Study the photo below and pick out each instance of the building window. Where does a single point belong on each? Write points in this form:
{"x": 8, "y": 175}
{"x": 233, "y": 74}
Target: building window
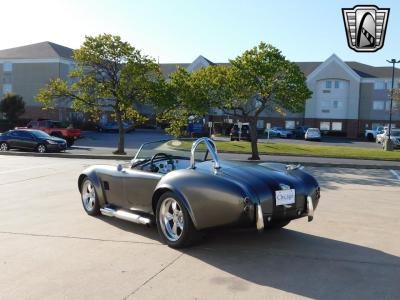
{"x": 325, "y": 104}
{"x": 379, "y": 85}
{"x": 324, "y": 126}
{"x": 337, "y": 104}
{"x": 337, "y": 126}
{"x": 260, "y": 123}
{"x": 7, "y": 88}
{"x": 7, "y": 67}
{"x": 328, "y": 84}
{"x": 289, "y": 124}
{"x": 337, "y": 84}
{"x": 378, "y": 105}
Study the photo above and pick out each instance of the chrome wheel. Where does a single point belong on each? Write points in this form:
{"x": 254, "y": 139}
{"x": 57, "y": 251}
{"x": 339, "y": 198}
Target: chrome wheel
{"x": 88, "y": 195}
{"x": 3, "y": 147}
{"x": 41, "y": 148}
{"x": 171, "y": 219}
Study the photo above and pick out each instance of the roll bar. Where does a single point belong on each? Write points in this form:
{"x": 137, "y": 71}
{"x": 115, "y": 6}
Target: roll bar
{"x": 212, "y": 148}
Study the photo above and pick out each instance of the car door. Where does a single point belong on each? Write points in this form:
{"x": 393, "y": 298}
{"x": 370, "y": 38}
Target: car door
{"x": 139, "y": 187}
{"x": 14, "y": 139}
{"x": 27, "y": 140}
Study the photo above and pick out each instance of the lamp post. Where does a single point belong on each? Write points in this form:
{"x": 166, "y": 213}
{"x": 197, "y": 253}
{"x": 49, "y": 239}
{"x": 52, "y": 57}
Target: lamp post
{"x": 388, "y": 145}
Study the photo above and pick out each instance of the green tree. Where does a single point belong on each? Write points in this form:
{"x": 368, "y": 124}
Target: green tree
{"x": 192, "y": 94}
{"x": 263, "y": 79}
{"x": 13, "y": 106}
{"x": 108, "y": 75}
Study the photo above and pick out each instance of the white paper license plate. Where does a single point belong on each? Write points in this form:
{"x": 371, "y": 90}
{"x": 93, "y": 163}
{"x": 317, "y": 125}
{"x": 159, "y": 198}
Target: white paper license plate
{"x": 284, "y": 197}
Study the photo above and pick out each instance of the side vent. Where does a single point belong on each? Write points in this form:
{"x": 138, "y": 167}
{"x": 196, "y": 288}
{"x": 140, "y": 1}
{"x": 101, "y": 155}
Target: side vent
{"x": 106, "y": 185}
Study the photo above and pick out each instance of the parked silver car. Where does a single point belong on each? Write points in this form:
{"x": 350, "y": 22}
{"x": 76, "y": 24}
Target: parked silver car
{"x": 313, "y": 134}
{"x": 279, "y": 132}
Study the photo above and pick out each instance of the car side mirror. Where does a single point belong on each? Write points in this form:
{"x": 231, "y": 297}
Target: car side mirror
{"x": 119, "y": 167}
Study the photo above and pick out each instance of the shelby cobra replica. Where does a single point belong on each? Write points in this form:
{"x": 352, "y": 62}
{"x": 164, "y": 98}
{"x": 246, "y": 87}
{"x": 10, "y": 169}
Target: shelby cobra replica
{"x": 185, "y": 191}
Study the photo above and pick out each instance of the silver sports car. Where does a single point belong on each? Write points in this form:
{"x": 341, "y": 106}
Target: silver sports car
{"x": 184, "y": 188}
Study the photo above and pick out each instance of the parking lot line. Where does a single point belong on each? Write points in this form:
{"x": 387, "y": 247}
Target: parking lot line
{"x": 395, "y": 174}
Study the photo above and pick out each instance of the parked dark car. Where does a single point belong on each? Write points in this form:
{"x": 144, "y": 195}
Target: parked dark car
{"x": 238, "y": 134}
{"x": 300, "y": 131}
{"x": 184, "y": 188}
{"x": 29, "y": 139}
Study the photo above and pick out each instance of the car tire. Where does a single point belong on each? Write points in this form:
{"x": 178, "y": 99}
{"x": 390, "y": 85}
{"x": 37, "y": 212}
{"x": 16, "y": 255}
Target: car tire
{"x": 232, "y": 139}
{"x": 90, "y": 200}
{"x": 4, "y": 147}
{"x": 370, "y": 137}
{"x": 41, "y": 148}
{"x": 278, "y": 224}
{"x": 174, "y": 223}
{"x": 70, "y": 141}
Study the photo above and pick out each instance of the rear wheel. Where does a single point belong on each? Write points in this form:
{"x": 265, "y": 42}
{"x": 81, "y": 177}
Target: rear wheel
{"x": 370, "y": 137}
{"x": 70, "y": 141}
{"x": 4, "y": 146}
{"x": 41, "y": 148}
{"x": 174, "y": 223}
{"x": 89, "y": 198}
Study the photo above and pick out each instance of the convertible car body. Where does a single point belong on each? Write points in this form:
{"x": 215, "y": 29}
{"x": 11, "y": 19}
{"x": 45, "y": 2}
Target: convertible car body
{"x": 183, "y": 187}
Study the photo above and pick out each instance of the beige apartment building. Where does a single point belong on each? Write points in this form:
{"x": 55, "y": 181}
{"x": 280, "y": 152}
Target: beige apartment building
{"x": 348, "y": 97}
{"x": 24, "y": 70}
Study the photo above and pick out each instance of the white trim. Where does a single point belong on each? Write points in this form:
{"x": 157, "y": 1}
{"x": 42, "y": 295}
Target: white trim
{"x": 36, "y": 60}
{"x": 333, "y": 58}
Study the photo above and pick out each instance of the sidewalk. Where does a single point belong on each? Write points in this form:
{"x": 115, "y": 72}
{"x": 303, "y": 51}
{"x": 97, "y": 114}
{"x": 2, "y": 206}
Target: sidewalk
{"x": 106, "y": 153}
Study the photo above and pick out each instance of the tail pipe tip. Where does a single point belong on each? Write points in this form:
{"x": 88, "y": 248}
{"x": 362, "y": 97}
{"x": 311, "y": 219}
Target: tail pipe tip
{"x": 259, "y": 218}
{"x": 310, "y": 209}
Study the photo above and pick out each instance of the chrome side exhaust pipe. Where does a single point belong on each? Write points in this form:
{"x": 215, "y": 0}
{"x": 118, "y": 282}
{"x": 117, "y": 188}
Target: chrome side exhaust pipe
{"x": 310, "y": 209}
{"x": 124, "y": 215}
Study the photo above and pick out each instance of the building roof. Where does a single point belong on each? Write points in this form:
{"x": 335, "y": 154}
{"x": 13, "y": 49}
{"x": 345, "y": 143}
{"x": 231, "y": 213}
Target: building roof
{"x": 363, "y": 70}
{"x": 43, "y": 50}
{"x": 46, "y": 50}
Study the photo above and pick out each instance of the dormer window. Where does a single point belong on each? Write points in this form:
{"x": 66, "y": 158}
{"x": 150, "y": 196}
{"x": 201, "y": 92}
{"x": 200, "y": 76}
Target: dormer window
{"x": 328, "y": 84}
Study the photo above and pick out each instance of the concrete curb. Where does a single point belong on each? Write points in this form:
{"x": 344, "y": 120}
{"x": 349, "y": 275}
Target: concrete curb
{"x": 378, "y": 164}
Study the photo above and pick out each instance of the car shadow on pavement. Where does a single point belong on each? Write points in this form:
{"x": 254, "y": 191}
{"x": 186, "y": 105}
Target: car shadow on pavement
{"x": 299, "y": 263}
{"x": 291, "y": 261}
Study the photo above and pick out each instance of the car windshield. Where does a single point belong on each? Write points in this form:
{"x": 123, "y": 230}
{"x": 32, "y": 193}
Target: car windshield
{"x": 316, "y": 130}
{"x": 40, "y": 134}
{"x": 175, "y": 148}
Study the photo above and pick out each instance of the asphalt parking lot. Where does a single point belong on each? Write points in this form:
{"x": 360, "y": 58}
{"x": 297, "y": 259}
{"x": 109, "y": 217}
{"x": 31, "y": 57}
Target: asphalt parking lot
{"x": 50, "y": 248}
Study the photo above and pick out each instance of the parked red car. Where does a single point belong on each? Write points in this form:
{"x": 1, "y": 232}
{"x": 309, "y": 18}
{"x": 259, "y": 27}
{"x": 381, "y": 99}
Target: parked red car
{"x": 55, "y": 128}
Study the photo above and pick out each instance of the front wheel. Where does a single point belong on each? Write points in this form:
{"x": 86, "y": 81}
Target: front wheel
{"x": 41, "y": 148}
{"x": 174, "y": 223}
{"x": 4, "y": 146}
{"x": 89, "y": 197}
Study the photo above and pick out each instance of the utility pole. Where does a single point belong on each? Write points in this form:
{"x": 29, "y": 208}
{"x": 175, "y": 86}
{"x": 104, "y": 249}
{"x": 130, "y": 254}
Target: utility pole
{"x": 388, "y": 145}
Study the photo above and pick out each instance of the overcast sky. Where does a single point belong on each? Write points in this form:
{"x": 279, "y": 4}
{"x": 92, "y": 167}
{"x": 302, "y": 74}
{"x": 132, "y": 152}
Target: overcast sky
{"x": 180, "y": 30}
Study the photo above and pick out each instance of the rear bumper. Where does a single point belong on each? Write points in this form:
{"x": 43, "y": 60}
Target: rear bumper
{"x": 288, "y": 212}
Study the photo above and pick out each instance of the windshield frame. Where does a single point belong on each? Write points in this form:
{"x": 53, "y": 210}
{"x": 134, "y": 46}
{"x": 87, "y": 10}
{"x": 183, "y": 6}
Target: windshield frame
{"x": 206, "y": 152}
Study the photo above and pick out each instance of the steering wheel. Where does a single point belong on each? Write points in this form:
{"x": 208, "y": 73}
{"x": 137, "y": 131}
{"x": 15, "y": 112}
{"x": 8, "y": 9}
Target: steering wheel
{"x": 154, "y": 168}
